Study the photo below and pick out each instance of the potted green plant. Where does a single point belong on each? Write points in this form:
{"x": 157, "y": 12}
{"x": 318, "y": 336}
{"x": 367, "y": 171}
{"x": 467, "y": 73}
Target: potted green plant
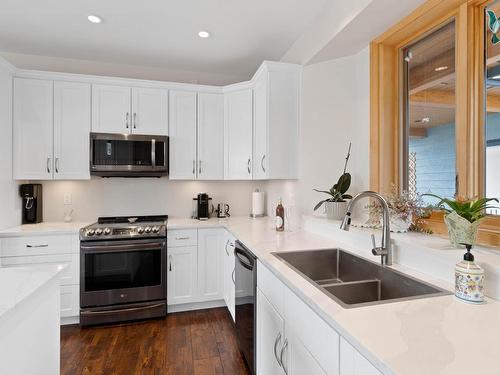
{"x": 336, "y": 204}
{"x": 463, "y": 217}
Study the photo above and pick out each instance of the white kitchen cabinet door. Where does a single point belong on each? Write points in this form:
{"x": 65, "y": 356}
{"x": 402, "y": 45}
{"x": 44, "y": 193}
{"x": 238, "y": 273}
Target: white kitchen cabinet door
{"x": 229, "y": 279}
{"x": 149, "y": 111}
{"x": 71, "y": 130}
{"x": 270, "y": 337}
{"x": 353, "y": 363}
{"x": 33, "y": 112}
{"x": 182, "y": 134}
{"x": 181, "y": 275}
{"x": 297, "y": 360}
{"x": 111, "y": 109}
{"x": 238, "y": 124}
{"x": 210, "y": 136}
{"x": 210, "y": 264}
{"x": 260, "y": 169}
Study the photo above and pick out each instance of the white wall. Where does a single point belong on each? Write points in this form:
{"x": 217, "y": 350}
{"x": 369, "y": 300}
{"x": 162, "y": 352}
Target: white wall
{"x": 334, "y": 112}
{"x": 140, "y": 196}
{"x": 10, "y": 203}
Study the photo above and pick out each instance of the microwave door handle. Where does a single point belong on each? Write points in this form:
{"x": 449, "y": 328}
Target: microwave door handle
{"x": 153, "y": 153}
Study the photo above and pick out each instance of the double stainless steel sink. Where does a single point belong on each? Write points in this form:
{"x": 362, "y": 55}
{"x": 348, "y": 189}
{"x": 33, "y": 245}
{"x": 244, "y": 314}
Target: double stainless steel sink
{"x": 353, "y": 281}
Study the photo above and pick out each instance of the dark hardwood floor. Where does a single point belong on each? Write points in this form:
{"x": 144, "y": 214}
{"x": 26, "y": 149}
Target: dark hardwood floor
{"x": 190, "y": 343}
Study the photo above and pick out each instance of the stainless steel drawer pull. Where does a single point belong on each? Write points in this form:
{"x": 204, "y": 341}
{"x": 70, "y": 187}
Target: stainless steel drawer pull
{"x": 135, "y": 116}
{"x": 232, "y": 277}
{"x": 276, "y": 341}
{"x": 57, "y": 165}
{"x": 170, "y": 263}
{"x": 126, "y": 120}
{"x": 48, "y": 165}
{"x": 199, "y": 166}
{"x": 262, "y": 163}
{"x": 182, "y": 238}
{"x": 283, "y": 349}
{"x": 43, "y": 245}
{"x": 225, "y": 247}
{"x": 194, "y": 166}
{"x": 248, "y": 165}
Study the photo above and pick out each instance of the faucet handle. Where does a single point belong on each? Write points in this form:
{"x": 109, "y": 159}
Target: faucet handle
{"x": 373, "y": 241}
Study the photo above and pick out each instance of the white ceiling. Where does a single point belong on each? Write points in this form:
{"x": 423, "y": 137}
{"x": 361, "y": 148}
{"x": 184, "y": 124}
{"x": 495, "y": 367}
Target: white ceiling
{"x": 158, "y": 33}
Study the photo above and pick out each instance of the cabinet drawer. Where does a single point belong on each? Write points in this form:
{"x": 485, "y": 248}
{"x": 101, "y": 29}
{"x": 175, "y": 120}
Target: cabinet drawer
{"x": 70, "y": 300}
{"x": 271, "y": 287}
{"x": 316, "y": 335}
{"x": 69, "y": 276}
{"x": 182, "y": 237}
{"x": 39, "y": 245}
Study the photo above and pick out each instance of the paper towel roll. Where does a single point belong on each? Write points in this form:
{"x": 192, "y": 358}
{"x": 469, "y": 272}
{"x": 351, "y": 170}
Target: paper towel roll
{"x": 258, "y": 203}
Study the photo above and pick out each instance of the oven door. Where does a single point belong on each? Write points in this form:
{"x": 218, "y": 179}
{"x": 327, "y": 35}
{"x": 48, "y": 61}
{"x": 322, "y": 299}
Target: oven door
{"x": 118, "y": 272}
{"x": 128, "y": 155}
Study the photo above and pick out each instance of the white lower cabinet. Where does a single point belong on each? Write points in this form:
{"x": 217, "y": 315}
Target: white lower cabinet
{"x": 270, "y": 336}
{"x": 229, "y": 279}
{"x": 353, "y": 363}
{"x": 195, "y": 265}
{"x": 210, "y": 264}
{"x": 297, "y": 360}
{"x": 182, "y": 274}
{"x": 52, "y": 249}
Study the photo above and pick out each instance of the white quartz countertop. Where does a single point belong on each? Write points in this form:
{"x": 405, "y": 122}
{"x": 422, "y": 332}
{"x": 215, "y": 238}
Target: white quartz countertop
{"x": 44, "y": 228}
{"x": 18, "y": 283}
{"x": 438, "y": 335}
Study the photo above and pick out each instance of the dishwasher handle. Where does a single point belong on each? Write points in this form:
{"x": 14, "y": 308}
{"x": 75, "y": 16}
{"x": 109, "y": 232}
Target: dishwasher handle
{"x": 245, "y": 258}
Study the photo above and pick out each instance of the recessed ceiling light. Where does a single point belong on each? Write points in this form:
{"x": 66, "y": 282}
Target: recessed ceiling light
{"x": 441, "y": 68}
{"x": 204, "y": 34}
{"x": 94, "y": 19}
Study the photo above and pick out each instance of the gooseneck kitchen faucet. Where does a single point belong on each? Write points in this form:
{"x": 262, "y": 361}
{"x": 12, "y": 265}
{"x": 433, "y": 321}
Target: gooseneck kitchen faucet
{"x": 385, "y": 250}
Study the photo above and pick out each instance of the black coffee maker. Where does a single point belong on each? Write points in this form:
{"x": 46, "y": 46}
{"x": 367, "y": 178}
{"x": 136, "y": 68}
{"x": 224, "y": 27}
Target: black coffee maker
{"x": 31, "y": 195}
{"x": 203, "y": 207}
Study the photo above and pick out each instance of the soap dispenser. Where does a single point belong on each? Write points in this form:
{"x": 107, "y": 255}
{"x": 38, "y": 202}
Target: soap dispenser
{"x": 469, "y": 278}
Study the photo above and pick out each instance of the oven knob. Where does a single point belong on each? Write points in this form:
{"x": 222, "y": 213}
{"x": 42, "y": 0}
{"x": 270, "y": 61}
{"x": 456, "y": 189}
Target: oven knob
{"x": 140, "y": 230}
{"x": 107, "y": 231}
{"x": 90, "y": 232}
{"x": 156, "y": 229}
{"x": 98, "y": 231}
{"x": 147, "y": 229}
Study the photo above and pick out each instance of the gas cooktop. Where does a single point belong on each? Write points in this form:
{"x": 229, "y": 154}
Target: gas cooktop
{"x": 125, "y": 227}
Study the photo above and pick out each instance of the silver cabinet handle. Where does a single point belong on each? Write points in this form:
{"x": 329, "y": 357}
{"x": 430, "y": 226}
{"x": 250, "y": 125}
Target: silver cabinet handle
{"x": 43, "y": 245}
{"x": 194, "y": 166}
{"x": 126, "y": 120}
{"x": 248, "y": 165}
{"x": 48, "y": 165}
{"x": 276, "y": 341}
{"x": 170, "y": 263}
{"x": 57, "y": 165}
{"x": 225, "y": 247}
{"x": 135, "y": 115}
{"x": 233, "y": 277}
{"x": 199, "y": 166}
{"x": 283, "y": 349}
{"x": 262, "y": 163}
{"x": 182, "y": 238}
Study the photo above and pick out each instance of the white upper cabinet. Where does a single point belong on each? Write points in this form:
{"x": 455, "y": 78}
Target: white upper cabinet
{"x": 51, "y": 130}
{"x": 238, "y": 119}
{"x": 149, "y": 111}
{"x": 33, "y": 126}
{"x": 122, "y": 109}
{"x": 111, "y": 109}
{"x": 276, "y": 121}
{"x": 210, "y": 136}
{"x": 71, "y": 130}
{"x": 182, "y": 130}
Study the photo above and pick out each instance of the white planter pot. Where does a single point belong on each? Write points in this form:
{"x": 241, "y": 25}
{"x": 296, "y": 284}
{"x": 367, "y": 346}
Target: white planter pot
{"x": 335, "y": 210}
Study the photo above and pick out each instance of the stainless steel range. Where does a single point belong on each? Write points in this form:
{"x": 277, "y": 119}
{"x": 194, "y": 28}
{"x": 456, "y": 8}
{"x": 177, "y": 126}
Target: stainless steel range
{"x": 123, "y": 269}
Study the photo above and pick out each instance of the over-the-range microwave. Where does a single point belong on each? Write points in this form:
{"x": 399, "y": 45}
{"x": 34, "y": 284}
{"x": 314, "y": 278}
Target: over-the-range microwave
{"x": 128, "y": 155}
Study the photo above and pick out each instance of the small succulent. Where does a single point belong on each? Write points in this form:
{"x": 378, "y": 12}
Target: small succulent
{"x": 470, "y": 209}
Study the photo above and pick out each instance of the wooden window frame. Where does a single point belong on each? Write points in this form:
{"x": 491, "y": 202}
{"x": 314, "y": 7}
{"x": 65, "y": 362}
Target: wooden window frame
{"x": 386, "y": 110}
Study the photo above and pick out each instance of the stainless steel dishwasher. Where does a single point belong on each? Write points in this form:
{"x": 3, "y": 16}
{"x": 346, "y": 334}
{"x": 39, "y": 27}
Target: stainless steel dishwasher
{"x": 245, "y": 301}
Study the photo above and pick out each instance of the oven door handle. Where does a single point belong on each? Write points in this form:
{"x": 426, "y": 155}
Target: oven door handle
{"x": 107, "y": 248}
{"x": 103, "y": 312}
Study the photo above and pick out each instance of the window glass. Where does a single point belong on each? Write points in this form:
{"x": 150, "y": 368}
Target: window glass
{"x": 429, "y": 115}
